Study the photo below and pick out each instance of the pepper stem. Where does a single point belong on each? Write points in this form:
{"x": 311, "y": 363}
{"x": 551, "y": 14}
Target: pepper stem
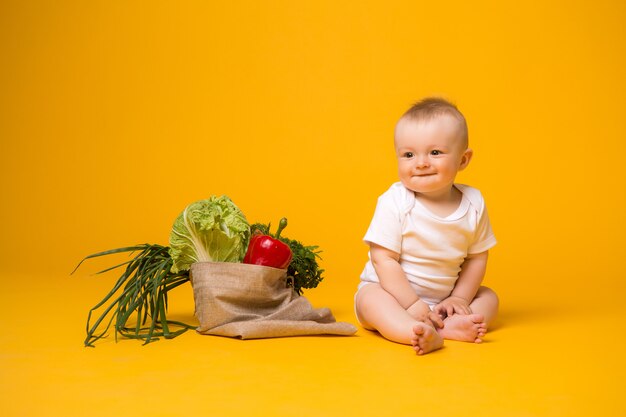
{"x": 281, "y": 225}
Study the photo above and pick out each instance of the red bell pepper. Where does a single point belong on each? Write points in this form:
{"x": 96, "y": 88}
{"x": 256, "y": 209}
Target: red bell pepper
{"x": 269, "y": 251}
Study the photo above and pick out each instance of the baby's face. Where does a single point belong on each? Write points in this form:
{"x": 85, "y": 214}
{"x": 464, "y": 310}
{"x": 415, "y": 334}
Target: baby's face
{"x": 430, "y": 153}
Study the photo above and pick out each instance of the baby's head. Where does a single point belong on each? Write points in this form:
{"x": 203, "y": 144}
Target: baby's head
{"x": 433, "y": 108}
{"x": 431, "y": 144}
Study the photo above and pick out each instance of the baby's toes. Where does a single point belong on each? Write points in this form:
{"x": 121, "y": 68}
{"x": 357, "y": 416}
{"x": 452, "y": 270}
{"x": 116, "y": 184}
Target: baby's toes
{"x": 477, "y": 318}
{"x": 418, "y": 349}
{"x": 418, "y": 330}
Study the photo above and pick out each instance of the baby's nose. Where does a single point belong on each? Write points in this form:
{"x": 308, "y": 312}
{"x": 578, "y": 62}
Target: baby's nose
{"x": 421, "y": 162}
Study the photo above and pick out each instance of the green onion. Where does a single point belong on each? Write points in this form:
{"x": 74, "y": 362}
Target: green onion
{"x": 139, "y": 295}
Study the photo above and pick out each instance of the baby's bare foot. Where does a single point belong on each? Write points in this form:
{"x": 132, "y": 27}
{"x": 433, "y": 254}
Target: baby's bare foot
{"x": 426, "y": 339}
{"x": 464, "y": 327}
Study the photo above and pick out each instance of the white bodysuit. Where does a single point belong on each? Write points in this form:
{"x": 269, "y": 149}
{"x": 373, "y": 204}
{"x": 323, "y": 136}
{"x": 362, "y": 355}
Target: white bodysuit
{"x": 431, "y": 248}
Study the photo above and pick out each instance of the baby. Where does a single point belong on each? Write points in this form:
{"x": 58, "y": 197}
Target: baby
{"x": 429, "y": 239}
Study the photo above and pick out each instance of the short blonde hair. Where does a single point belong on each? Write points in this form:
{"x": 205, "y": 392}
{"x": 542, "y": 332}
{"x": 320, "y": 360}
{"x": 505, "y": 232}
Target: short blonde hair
{"x": 432, "y": 107}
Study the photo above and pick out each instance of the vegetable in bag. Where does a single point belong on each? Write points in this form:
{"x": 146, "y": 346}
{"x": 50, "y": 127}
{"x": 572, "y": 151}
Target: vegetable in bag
{"x": 269, "y": 250}
{"x": 213, "y": 230}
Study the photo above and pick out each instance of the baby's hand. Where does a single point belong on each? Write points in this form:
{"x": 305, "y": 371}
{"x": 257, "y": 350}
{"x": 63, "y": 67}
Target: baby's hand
{"x": 420, "y": 311}
{"x": 452, "y": 305}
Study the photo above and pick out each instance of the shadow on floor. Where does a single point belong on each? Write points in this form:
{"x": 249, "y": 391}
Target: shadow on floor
{"x": 515, "y": 314}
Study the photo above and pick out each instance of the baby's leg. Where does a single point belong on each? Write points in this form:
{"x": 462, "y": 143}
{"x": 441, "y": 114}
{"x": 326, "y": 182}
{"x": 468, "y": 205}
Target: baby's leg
{"x": 379, "y": 310}
{"x": 472, "y": 327}
{"x": 486, "y": 303}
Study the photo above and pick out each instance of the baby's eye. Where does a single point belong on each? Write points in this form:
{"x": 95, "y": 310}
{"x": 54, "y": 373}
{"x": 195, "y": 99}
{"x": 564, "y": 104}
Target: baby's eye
{"x": 435, "y": 152}
{"x": 408, "y": 155}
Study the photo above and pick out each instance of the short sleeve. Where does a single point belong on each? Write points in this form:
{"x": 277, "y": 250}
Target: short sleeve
{"x": 385, "y": 228}
{"x": 484, "y": 238}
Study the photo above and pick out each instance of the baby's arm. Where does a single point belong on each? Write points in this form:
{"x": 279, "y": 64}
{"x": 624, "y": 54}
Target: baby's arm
{"x": 394, "y": 281}
{"x": 466, "y": 287}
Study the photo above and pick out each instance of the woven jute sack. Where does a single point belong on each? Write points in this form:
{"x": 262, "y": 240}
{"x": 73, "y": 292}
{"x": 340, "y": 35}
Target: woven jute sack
{"x": 253, "y": 301}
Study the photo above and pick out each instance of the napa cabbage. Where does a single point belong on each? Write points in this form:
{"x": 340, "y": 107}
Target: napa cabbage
{"x": 213, "y": 230}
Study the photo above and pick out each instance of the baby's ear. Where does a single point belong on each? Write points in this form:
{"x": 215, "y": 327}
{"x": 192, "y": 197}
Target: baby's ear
{"x": 466, "y": 158}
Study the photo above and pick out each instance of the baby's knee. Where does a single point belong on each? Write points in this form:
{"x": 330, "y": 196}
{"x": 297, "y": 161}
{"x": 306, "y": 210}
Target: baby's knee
{"x": 366, "y": 302}
{"x": 366, "y": 296}
{"x": 487, "y": 292}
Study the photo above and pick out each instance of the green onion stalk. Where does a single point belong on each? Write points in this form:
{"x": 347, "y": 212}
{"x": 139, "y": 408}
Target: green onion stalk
{"x": 137, "y": 304}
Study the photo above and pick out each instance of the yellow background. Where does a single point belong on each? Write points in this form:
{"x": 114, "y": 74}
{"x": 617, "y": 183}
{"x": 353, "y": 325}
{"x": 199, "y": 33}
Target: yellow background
{"x": 115, "y": 115}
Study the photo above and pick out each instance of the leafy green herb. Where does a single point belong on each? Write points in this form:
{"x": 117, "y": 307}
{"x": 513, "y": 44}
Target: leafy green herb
{"x": 139, "y": 297}
{"x": 303, "y": 271}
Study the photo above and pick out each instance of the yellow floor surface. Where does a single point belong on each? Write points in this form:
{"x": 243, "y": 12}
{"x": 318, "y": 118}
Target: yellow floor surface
{"x": 536, "y": 361}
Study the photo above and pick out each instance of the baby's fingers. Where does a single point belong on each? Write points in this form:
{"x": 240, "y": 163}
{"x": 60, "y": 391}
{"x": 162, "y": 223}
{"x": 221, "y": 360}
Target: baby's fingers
{"x": 436, "y": 320}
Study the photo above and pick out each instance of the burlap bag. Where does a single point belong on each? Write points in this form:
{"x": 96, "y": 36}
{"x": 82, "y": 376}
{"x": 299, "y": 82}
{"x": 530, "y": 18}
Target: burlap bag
{"x": 253, "y": 301}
